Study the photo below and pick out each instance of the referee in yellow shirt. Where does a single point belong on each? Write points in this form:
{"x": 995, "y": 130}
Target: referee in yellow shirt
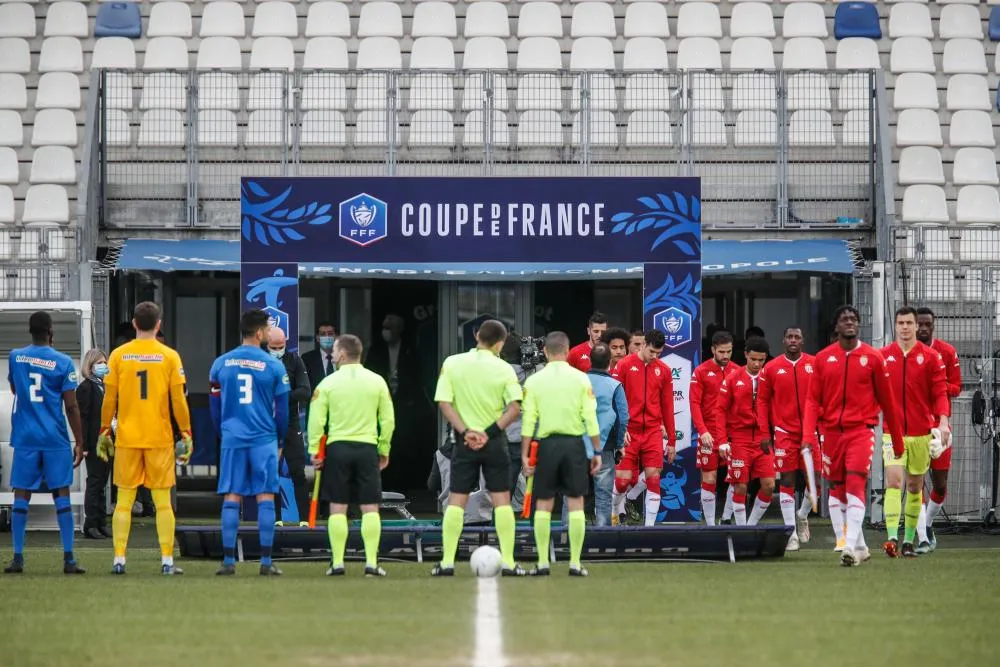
{"x": 559, "y": 408}
{"x": 479, "y": 395}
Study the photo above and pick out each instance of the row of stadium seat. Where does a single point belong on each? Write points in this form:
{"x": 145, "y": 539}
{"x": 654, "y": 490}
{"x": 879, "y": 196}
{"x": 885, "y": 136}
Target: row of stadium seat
{"x": 33, "y": 241}
{"x": 42, "y": 204}
{"x": 49, "y": 164}
{"x": 924, "y": 165}
{"x": 928, "y": 203}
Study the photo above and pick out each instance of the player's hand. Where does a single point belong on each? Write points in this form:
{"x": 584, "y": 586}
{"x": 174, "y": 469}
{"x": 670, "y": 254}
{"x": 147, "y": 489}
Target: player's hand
{"x": 383, "y": 462}
{"x": 706, "y": 439}
{"x": 595, "y": 464}
{"x": 944, "y": 427}
{"x": 766, "y": 444}
{"x": 105, "y": 446}
{"x": 526, "y": 467}
{"x": 475, "y": 440}
{"x": 628, "y": 438}
{"x": 78, "y": 455}
{"x": 619, "y": 455}
{"x": 671, "y": 454}
{"x": 317, "y": 462}
{"x": 184, "y": 448}
{"x": 898, "y": 447}
{"x": 725, "y": 450}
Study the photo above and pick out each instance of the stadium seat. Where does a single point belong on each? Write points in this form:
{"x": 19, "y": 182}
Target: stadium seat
{"x": 960, "y": 21}
{"x": 975, "y": 166}
{"x": 166, "y": 53}
{"x": 804, "y": 19}
{"x": 9, "y": 168}
{"x": 380, "y": 19}
{"x": 593, "y": 19}
{"x": 432, "y": 128}
{"x": 699, "y": 19}
{"x": 379, "y": 53}
{"x": 698, "y": 53}
{"x": 46, "y": 203}
{"x": 217, "y": 127}
{"x": 218, "y": 53}
{"x": 326, "y": 53}
{"x": 592, "y": 53}
{"x": 486, "y": 19}
{"x": 810, "y": 128}
{"x": 485, "y": 53}
{"x": 978, "y": 204}
{"x": 475, "y": 126}
{"x": 920, "y": 164}
{"x": 754, "y": 91}
{"x": 645, "y": 19}
{"x": 217, "y": 90}
{"x": 751, "y": 19}
{"x": 601, "y": 130}
{"x": 756, "y": 128}
{"x": 54, "y": 127}
{"x": 971, "y": 128}
{"x": 42, "y": 240}
{"x": 432, "y": 53}
{"x": 17, "y": 19}
{"x": 703, "y": 128}
{"x": 910, "y": 19}
{"x": 272, "y": 53}
{"x": 371, "y": 130}
{"x": 539, "y": 127}
{"x": 118, "y": 19}
{"x": 11, "y": 129}
{"x": 163, "y": 127}
{"x": 964, "y": 56}
{"x": 323, "y": 128}
{"x": 434, "y": 19}
{"x": 647, "y": 127}
{"x": 855, "y": 92}
{"x": 15, "y": 56}
{"x": 59, "y": 90}
{"x": 856, "y": 128}
{"x": 371, "y": 91}
{"x": 169, "y": 19}
{"x": 918, "y": 127}
{"x": 223, "y": 19}
{"x": 267, "y": 91}
{"x": 924, "y": 203}
{"x": 117, "y": 131}
{"x": 647, "y": 92}
{"x": 601, "y": 88}
{"x": 117, "y": 90}
{"x": 856, "y": 19}
{"x": 13, "y": 92}
{"x": 539, "y": 19}
{"x": 268, "y": 127}
{"x": 968, "y": 91}
{"x": 324, "y": 90}
{"x": 911, "y": 54}
{"x": 53, "y": 164}
{"x": 994, "y": 29}
{"x": 857, "y": 53}
{"x": 113, "y": 53}
{"x": 808, "y": 91}
{"x": 539, "y": 91}
{"x": 6, "y": 204}
{"x": 432, "y": 92}
{"x": 705, "y": 92}
{"x": 752, "y": 53}
{"x": 61, "y": 54}
{"x": 804, "y": 53}
{"x": 328, "y": 19}
{"x": 275, "y": 19}
{"x": 67, "y": 19}
{"x": 474, "y": 95}
{"x": 645, "y": 53}
{"x": 535, "y": 53}
{"x": 917, "y": 90}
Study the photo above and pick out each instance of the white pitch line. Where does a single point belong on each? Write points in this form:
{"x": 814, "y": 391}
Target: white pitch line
{"x": 489, "y": 641}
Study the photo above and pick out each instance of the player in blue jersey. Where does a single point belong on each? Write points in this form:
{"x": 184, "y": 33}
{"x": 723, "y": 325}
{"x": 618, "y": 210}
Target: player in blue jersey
{"x": 249, "y": 408}
{"x": 43, "y": 381}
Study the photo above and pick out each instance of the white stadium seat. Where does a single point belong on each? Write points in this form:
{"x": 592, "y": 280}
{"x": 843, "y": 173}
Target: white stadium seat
{"x": 538, "y": 91}
{"x": 918, "y": 127}
{"x": 166, "y": 53}
{"x": 645, "y": 53}
{"x": 272, "y": 53}
{"x": 11, "y": 129}
{"x": 857, "y": 53}
{"x": 323, "y": 128}
{"x": 434, "y": 19}
{"x": 978, "y": 204}
{"x": 971, "y": 128}
{"x": 804, "y": 53}
{"x": 268, "y": 127}
{"x": 169, "y": 19}
{"x": 6, "y": 204}
{"x": 804, "y": 19}
{"x": 756, "y": 127}
{"x": 46, "y": 203}
{"x": 960, "y": 21}
{"x": 217, "y": 127}
{"x": 9, "y": 168}
{"x": 13, "y": 92}
{"x": 600, "y": 131}
{"x": 42, "y": 240}
{"x": 15, "y": 56}
{"x": 699, "y": 53}
{"x": 647, "y": 127}
{"x": 432, "y": 91}
{"x": 646, "y": 19}
{"x": 432, "y": 53}
{"x": 752, "y": 53}
{"x": 487, "y": 19}
{"x": 371, "y": 130}
{"x": 371, "y": 92}
{"x": 699, "y": 19}
{"x": 856, "y": 128}
{"x": 61, "y": 54}
{"x": 602, "y": 92}
{"x": 963, "y": 56}
{"x": 808, "y": 91}
{"x": 912, "y": 54}
{"x": 275, "y": 19}
{"x": 924, "y": 203}
{"x": 703, "y": 128}
{"x": 117, "y": 130}
{"x": 539, "y": 53}
{"x": 67, "y": 19}
{"x": 540, "y": 128}
{"x": 223, "y": 19}
{"x": 379, "y": 53}
{"x": 17, "y": 19}
{"x": 592, "y": 53}
{"x": 647, "y": 92}
{"x": 706, "y": 92}
{"x": 810, "y": 128}
{"x": 968, "y": 91}
{"x": 975, "y": 166}
{"x": 854, "y": 92}
{"x": 53, "y": 164}
{"x": 754, "y": 91}
{"x": 915, "y": 91}
{"x": 54, "y": 127}
{"x": 113, "y": 53}
{"x": 218, "y": 53}
{"x": 325, "y": 53}
{"x": 324, "y": 90}
{"x": 539, "y": 19}
{"x": 380, "y": 19}
{"x": 217, "y": 90}
{"x": 751, "y": 19}
{"x": 432, "y": 128}
{"x": 60, "y": 90}
{"x": 593, "y": 19}
{"x": 920, "y": 164}
{"x": 328, "y": 19}
{"x": 162, "y": 127}
{"x": 910, "y": 19}
{"x": 485, "y": 53}
{"x": 266, "y": 91}
{"x": 475, "y": 127}
{"x": 474, "y": 95}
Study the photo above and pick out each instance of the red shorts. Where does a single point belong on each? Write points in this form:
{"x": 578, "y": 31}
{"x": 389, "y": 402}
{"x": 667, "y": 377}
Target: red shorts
{"x": 708, "y": 456}
{"x": 788, "y": 454}
{"x": 644, "y": 450}
{"x": 749, "y": 462}
{"x": 847, "y": 451}
{"x": 943, "y": 462}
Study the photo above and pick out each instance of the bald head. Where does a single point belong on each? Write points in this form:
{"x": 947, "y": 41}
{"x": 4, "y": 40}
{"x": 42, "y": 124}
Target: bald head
{"x": 275, "y": 338}
{"x": 556, "y": 346}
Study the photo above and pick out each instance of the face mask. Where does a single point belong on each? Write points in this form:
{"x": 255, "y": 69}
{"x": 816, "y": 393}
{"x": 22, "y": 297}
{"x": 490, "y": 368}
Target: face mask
{"x": 277, "y": 354}
{"x": 326, "y": 342}
{"x": 100, "y": 370}
{"x": 386, "y": 335}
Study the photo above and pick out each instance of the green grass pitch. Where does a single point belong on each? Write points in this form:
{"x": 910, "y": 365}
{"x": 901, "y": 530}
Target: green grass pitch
{"x": 804, "y": 609}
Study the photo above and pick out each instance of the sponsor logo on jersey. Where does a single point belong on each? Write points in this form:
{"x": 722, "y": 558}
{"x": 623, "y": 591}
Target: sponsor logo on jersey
{"x": 831, "y": 359}
{"x": 249, "y": 364}
{"x": 145, "y": 358}
{"x": 782, "y": 371}
{"x": 47, "y": 364}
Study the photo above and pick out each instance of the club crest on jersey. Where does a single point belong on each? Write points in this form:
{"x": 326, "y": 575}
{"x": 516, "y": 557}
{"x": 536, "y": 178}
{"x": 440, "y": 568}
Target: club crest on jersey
{"x": 809, "y": 368}
{"x": 656, "y": 371}
{"x": 863, "y": 361}
{"x": 920, "y": 359}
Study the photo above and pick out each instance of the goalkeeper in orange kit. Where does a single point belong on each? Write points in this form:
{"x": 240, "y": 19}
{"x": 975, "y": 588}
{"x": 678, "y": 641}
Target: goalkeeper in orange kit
{"x": 145, "y": 380}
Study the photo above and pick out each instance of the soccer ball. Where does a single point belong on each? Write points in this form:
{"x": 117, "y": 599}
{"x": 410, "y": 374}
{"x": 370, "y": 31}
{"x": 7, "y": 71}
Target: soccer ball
{"x": 485, "y": 562}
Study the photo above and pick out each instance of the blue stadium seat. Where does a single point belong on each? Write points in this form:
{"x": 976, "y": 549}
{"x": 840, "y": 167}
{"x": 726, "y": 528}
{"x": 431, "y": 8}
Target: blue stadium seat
{"x": 856, "y": 19}
{"x": 998, "y": 99}
{"x": 995, "y": 24}
{"x": 118, "y": 19}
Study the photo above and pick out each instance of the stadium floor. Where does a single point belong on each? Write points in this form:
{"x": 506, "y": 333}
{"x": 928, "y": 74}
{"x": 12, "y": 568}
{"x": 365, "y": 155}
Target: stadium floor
{"x": 803, "y": 609}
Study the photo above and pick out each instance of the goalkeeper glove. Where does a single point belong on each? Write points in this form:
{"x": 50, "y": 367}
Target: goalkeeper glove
{"x": 888, "y": 445}
{"x": 105, "y": 445}
{"x": 184, "y": 448}
{"x": 937, "y": 444}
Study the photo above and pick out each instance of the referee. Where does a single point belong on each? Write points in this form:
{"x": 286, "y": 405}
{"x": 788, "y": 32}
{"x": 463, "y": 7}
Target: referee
{"x": 479, "y": 395}
{"x": 559, "y": 407}
{"x": 353, "y": 407}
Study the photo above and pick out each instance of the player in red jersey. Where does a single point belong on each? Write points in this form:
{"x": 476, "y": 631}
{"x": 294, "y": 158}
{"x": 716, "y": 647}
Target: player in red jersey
{"x": 917, "y": 375}
{"x": 579, "y": 355}
{"x": 740, "y": 435}
{"x": 616, "y": 339}
{"x": 636, "y": 341}
{"x": 850, "y": 384}
{"x": 781, "y": 406}
{"x": 941, "y": 464}
{"x": 706, "y": 381}
{"x": 649, "y": 390}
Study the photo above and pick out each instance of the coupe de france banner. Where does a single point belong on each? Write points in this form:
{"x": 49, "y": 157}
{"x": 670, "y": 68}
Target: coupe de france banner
{"x": 469, "y": 222}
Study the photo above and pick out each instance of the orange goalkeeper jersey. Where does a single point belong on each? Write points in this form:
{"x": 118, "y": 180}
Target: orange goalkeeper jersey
{"x": 145, "y": 378}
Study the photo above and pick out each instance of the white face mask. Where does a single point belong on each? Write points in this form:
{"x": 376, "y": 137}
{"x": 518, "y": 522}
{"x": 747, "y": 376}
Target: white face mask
{"x": 387, "y": 335}
{"x": 277, "y": 354}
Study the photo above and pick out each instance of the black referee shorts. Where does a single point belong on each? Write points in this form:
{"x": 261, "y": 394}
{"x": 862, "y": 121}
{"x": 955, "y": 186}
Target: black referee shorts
{"x": 492, "y": 460}
{"x": 351, "y": 474}
{"x": 562, "y": 467}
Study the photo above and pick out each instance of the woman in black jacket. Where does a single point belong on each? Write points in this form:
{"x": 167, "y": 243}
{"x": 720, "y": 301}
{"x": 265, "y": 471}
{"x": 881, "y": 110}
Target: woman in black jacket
{"x": 90, "y": 397}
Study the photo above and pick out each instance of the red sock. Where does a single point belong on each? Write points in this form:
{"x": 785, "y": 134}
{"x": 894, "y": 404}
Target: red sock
{"x": 739, "y": 499}
{"x": 787, "y": 490}
{"x": 762, "y": 498}
{"x": 708, "y": 487}
{"x": 938, "y": 497}
{"x": 622, "y": 485}
{"x": 653, "y": 484}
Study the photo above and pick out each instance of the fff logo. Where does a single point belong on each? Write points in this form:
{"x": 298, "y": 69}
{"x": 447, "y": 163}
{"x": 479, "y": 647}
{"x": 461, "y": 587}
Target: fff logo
{"x": 676, "y": 325}
{"x": 277, "y": 318}
{"x": 363, "y": 220}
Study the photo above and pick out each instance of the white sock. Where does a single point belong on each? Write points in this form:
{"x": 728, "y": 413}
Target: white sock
{"x": 933, "y": 509}
{"x": 787, "y": 502}
{"x": 805, "y": 507}
{"x": 740, "y": 514}
{"x": 836, "y": 518}
{"x": 637, "y": 490}
{"x": 727, "y": 510}
{"x": 617, "y": 503}
{"x": 855, "y": 517}
{"x": 652, "y": 508}
{"x": 861, "y": 538}
{"x": 167, "y": 560}
{"x": 922, "y": 525}
{"x": 119, "y": 560}
{"x": 759, "y": 507}
{"x": 708, "y": 506}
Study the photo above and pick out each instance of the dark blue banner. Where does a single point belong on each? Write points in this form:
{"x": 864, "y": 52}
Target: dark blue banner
{"x": 274, "y": 288}
{"x": 430, "y": 219}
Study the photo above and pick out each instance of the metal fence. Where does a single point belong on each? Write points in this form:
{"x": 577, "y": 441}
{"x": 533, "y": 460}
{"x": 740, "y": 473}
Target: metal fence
{"x": 773, "y": 149}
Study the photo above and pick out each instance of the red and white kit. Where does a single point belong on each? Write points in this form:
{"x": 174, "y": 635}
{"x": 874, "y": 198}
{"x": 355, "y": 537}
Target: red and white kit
{"x": 737, "y": 416}
{"x": 919, "y": 385}
{"x": 706, "y": 380}
{"x": 781, "y": 405}
{"x": 579, "y": 356}
{"x": 649, "y": 390}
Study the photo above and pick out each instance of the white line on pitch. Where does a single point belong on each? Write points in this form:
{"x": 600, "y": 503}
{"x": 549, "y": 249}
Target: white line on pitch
{"x": 489, "y": 640}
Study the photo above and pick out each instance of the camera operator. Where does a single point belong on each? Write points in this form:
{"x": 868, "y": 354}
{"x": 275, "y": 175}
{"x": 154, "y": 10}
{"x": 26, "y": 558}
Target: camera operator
{"x": 526, "y": 357}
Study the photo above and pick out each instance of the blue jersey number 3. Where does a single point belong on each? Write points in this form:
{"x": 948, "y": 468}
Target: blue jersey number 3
{"x": 246, "y": 388}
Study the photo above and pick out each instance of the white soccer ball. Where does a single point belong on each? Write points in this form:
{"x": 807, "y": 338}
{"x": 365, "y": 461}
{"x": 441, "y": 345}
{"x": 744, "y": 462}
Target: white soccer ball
{"x": 485, "y": 562}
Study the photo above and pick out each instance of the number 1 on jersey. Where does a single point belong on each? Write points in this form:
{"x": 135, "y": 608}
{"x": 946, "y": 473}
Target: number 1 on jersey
{"x": 246, "y": 387}
{"x": 143, "y": 384}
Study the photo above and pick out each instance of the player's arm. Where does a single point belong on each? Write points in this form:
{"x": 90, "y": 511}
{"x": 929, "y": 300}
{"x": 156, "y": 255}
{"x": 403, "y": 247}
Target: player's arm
{"x": 697, "y": 418}
{"x": 178, "y": 397}
{"x": 764, "y": 394}
{"x": 722, "y": 405}
{"x": 75, "y": 424}
{"x": 386, "y": 421}
{"x": 318, "y": 416}
{"x": 940, "y": 403}
{"x": 444, "y": 396}
{"x": 891, "y": 417}
{"x": 667, "y": 410}
{"x": 529, "y": 422}
{"x": 621, "y": 410}
{"x": 813, "y": 401}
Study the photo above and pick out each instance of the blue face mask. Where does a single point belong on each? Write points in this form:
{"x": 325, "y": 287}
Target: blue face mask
{"x": 277, "y": 354}
{"x": 100, "y": 370}
{"x": 326, "y": 342}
